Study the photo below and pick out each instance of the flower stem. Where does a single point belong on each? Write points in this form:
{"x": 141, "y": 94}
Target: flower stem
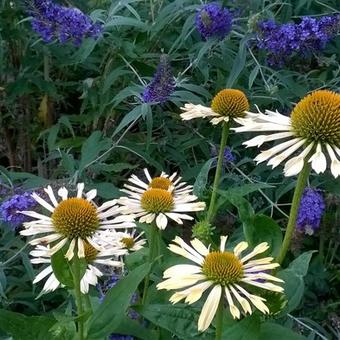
{"x": 153, "y": 249}
{"x": 300, "y": 185}
{"x": 224, "y": 138}
{"x": 219, "y": 320}
{"x": 78, "y": 296}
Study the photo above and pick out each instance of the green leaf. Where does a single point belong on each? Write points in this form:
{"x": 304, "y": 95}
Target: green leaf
{"x": 61, "y": 269}
{"x": 273, "y": 331}
{"x": 179, "y": 320}
{"x": 22, "y": 327}
{"x": 293, "y": 280}
{"x": 91, "y": 149}
{"x": 265, "y": 229}
{"x": 248, "y": 328}
{"x": 112, "y": 311}
{"x": 202, "y": 178}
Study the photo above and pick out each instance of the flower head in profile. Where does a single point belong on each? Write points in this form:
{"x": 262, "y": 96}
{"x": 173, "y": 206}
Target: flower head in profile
{"x": 73, "y": 222}
{"x": 170, "y": 183}
{"x": 93, "y": 257}
{"x": 162, "y": 84}
{"x": 228, "y": 104}
{"x": 212, "y": 20}
{"x": 160, "y": 198}
{"x": 229, "y": 275}
{"x": 311, "y": 210}
{"x": 53, "y": 21}
{"x": 314, "y": 126}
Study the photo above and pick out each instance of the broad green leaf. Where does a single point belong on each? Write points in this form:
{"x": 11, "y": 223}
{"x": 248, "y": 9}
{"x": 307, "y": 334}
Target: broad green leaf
{"x": 273, "y": 331}
{"x": 91, "y": 149}
{"x": 112, "y": 311}
{"x": 248, "y": 328}
{"x": 22, "y": 327}
{"x": 179, "y": 320}
{"x": 202, "y": 178}
{"x": 300, "y": 265}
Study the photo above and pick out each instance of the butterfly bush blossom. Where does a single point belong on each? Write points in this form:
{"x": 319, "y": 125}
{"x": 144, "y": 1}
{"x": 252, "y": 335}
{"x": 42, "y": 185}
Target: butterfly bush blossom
{"x": 10, "y": 207}
{"x": 311, "y": 210}
{"x": 53, "y": 21}
{"x": 287, "y": 40}
{"x": 213, "y": 20}
{"x": 162, "y": 84}
{"x": 228, "y": 156}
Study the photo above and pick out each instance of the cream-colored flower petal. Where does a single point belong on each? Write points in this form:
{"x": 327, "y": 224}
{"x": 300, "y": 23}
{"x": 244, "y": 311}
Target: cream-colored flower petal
{"x": 70, "y": 251}
{"x": 192, "y": 111}
{"x": 58, "y": 246}
{"x": 318, "y": 160}
{"x": 36, "y": 215}
{"x": 147, "y": 174}
{"x": 263, "y": 285}
{"x": 63, "y": 193}
{"x": 161, "y": 221}
{"x": 252, "y": 263}
{"x": 199, "y": 247}
{"x": 242, "y": 301}
{"x": 275, "y": 161}
{"x": 235, "y": 312}
{"x": 50, "y": 193}
{"x": 181, "y": 269}
{"x": 217, "y": 120}
{"x": 295, "y": 164}
{"x": 335, "y": 163}
{"x": 259, "y": 140}
{"x": 262, "y": 267}
{"x": 209, "y": 308}
{"x": 42, "y": 202}
{"x": 179, "y": 217}
{"x": 242, "y": 246}
{"x": 265, "y": 155}
{"x": 48, "y": 270}
{"x": 194, "y": 293}
{"x": 185, "y": 246}
{"x": 80, "y": 189}
{"x": 46, "y": 239}
{"x": 181, "y": 282}
{"x": 223, "y": 240}
{"x": 51, "y": 284}
{"x": 255, "y": 300}
{"x": 262, "y": 247}
{"x": 81, "y": 249}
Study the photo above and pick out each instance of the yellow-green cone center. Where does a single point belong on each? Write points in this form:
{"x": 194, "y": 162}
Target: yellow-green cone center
{"x": 157, "y": 201}
{"x": 230, "y": 103}
{"x": 128, "y": 242}
{"x": 90, "y": 252}
{"x": 317, "y": 117}
{"x": 75, "y": 217}
{"x": 222, "y": 268}
{"x": 160, "y": 183}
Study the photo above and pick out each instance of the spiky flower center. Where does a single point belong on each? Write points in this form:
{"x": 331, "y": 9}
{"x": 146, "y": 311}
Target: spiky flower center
{"x": 317, "y": 117}
{"x": 222, "y": 268}
{"x": 157, "y": 200}
{"x": 90, "y": 252}
{"x": 230, "y": 103}
{"x": 75, "y": 217}
{"x": 128, "y": 242}
{"x": 160, "y": 183}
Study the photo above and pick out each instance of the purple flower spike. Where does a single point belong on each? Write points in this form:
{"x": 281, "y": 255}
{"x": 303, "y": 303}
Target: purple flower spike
{"x": 311, "y": 210}
{"x": 213, "y": 20}
{"x": 162, "y": 84}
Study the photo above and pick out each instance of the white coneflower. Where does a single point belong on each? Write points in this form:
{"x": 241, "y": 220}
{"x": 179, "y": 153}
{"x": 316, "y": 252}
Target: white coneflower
{"x": 314, "y": 125}
{"x": 164, "y": 181}
{"x": 228, "y": 104}
{"x": 108, "y": 257}
{"x": 73, "y": 221}
{"x": 159, "y": 204}
{"x": 226, "y": 273}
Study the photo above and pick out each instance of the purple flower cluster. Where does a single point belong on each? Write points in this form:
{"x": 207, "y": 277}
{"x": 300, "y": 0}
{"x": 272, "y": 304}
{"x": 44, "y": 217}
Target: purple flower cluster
{"x": 162, "y": 84}
{"x": 52, "y": 21}
{"x": 18, "y": 202}
{"x": 213, "y": 20}
{"x": 228, "y": 156}
{"x": 311, "y": 210}
{"x": 282, "y": 42}
{"x": 111, "y": 282}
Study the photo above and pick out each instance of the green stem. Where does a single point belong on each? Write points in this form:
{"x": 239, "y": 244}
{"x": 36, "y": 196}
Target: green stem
{"x": 153, "y": 249}
{"x": 219, "y": 320}
{"x": 300, "y": 185}
{"x": 224, "y": 138}
{"x": 78, "y": 296}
